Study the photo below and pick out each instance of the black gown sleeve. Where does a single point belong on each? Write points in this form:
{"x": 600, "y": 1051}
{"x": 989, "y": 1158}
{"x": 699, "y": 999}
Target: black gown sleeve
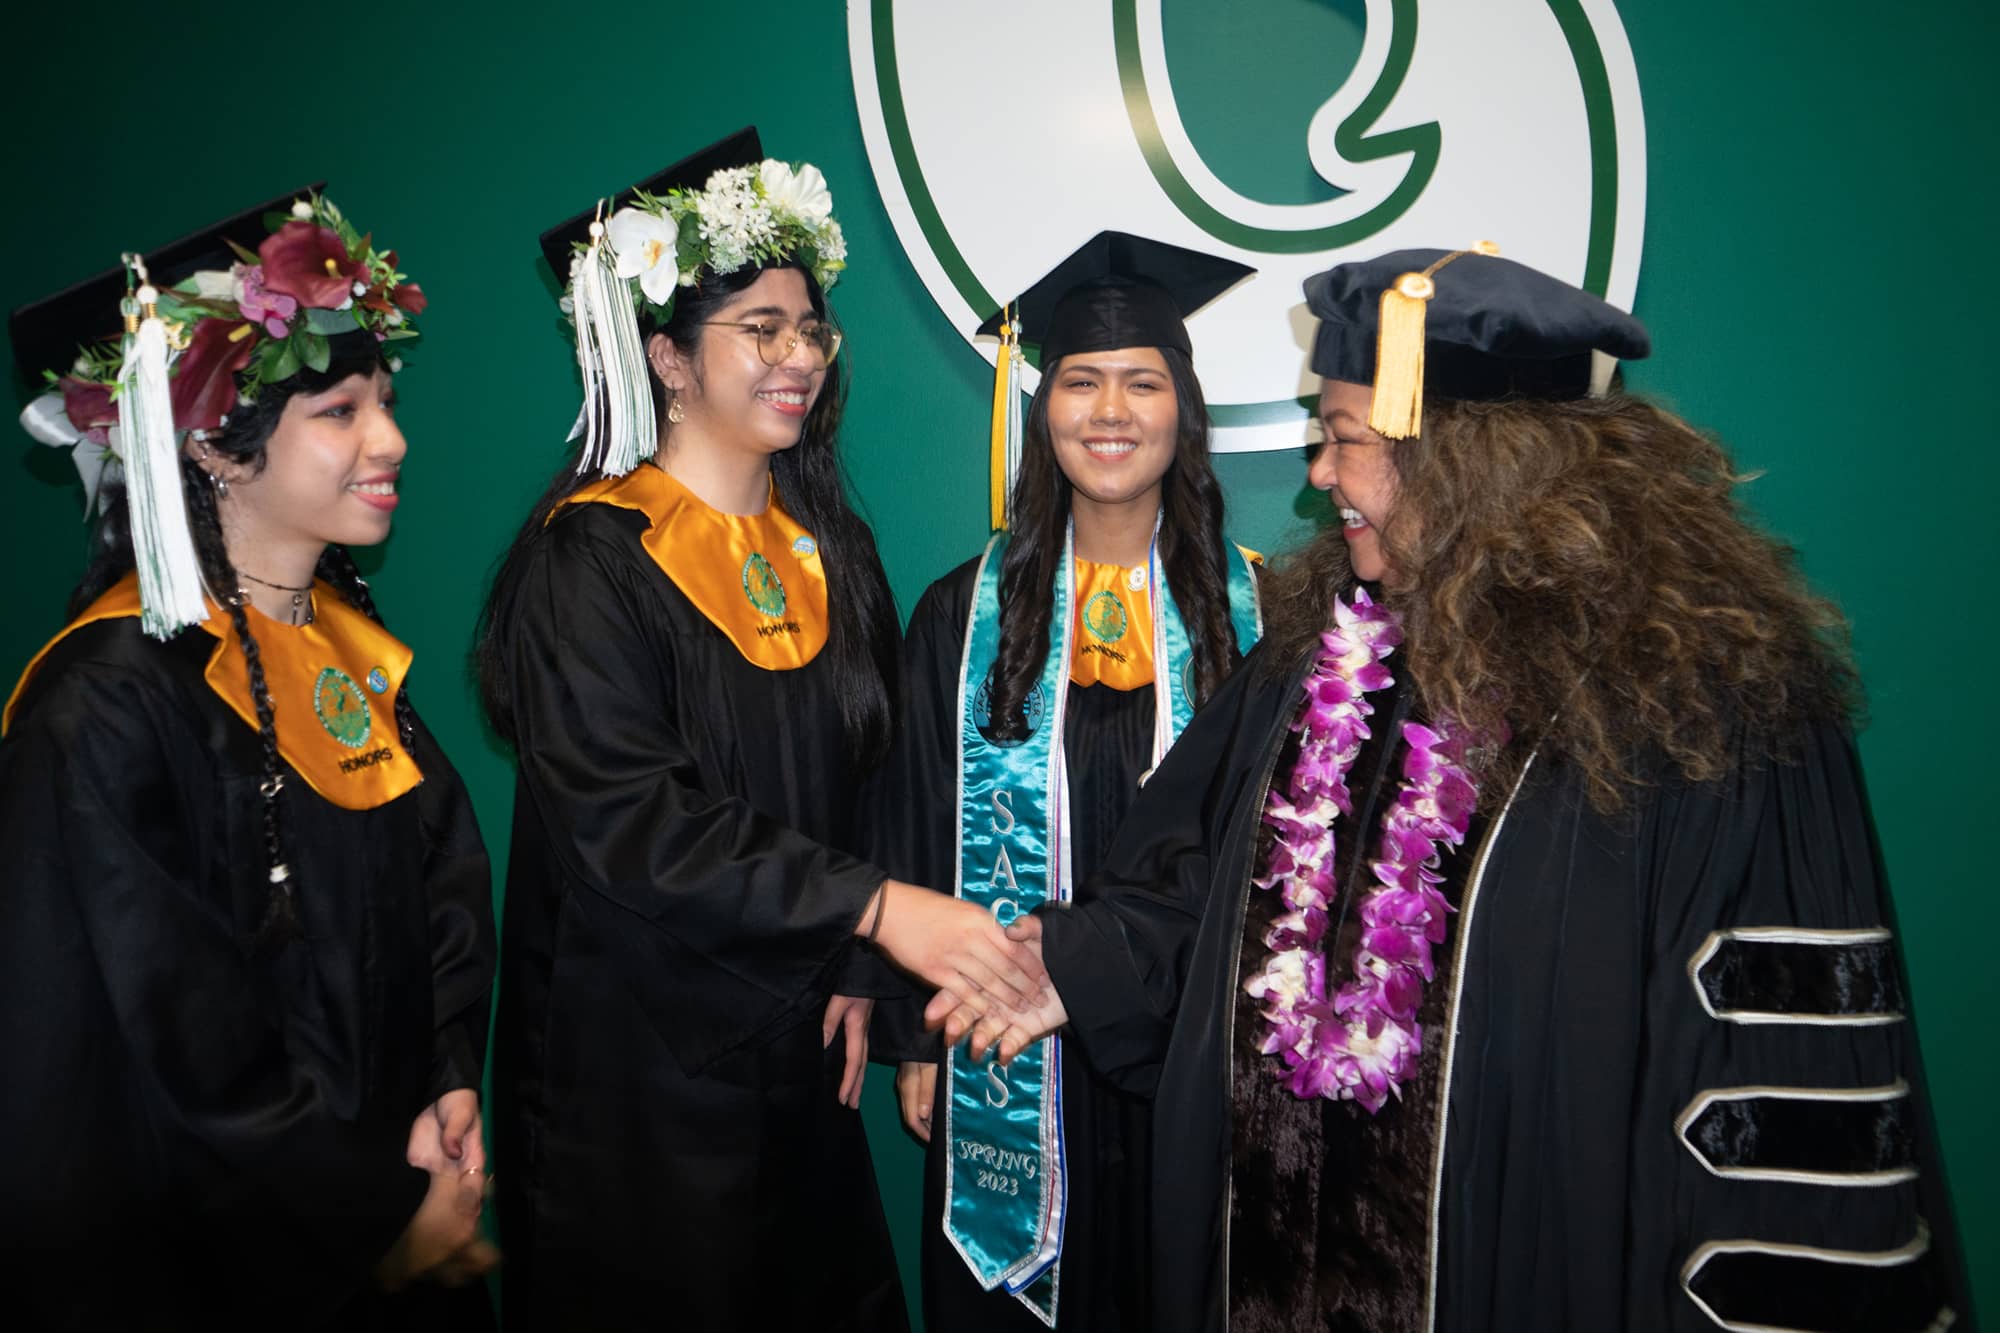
{"x": 105, "y": 898}
{"x": 458, "y": 879}
{"x": 1690, "y": 1021}
{"x": 735, "y": 922}
{"x": 912, "y": 833}
{"x": 1119, "y": 956}
{"x": 1783, "y": 1040}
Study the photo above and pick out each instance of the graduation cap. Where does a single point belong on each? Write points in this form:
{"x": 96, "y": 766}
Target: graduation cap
{"x": 740, "y": 149}
{"x": 1116, "y": 290}
{"x": 1464, "y": 325}
{"x": 47, "y": 333}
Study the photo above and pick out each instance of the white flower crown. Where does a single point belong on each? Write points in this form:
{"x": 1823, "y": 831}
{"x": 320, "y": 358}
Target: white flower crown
{"x": 767, "y": 214}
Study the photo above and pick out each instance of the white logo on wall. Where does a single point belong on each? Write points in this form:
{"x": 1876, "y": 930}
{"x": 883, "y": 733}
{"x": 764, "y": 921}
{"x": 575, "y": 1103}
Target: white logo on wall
{"x": 1515, "y": 121}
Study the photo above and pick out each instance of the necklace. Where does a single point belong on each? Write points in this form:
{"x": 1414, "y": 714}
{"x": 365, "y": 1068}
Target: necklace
{"x": 301, "y": 613}
{"x": 1363, "y": 1044}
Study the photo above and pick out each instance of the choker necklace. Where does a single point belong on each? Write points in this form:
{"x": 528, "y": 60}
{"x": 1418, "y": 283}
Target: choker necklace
{"x": 301, "y": 614}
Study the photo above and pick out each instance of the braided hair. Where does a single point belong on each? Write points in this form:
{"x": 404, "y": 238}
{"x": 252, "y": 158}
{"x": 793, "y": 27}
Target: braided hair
{"x": 244, "y": 438}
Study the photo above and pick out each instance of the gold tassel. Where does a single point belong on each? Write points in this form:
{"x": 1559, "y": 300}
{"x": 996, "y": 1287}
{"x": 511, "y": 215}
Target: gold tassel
{"x": 1396, "y": 412}
{"x": 1003, "y": 457}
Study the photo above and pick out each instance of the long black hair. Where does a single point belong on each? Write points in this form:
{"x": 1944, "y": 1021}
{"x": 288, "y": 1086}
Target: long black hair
{"x": 1193, "y": 552}
{"x": 245, "y": 439}
{"x": 863, "y": 632}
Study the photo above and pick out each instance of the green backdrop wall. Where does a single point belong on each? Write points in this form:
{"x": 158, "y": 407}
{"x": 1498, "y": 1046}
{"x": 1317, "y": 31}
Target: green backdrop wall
{"x": 1820, "y": 204}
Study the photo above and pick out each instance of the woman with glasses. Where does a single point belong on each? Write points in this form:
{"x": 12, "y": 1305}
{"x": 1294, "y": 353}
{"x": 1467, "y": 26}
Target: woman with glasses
{"x": 692, "y": 647}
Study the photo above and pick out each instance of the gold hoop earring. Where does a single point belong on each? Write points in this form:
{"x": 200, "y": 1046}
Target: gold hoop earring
{"x": 676, "y": 414}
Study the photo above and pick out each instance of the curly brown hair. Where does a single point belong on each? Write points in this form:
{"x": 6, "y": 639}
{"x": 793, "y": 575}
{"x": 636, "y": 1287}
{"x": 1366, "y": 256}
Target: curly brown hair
{"x": 1582, "y": 573}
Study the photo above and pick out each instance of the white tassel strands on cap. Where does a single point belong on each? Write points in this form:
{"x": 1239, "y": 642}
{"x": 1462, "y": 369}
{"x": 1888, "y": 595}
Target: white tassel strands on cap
{"x": 618, "y": 422}
{"x": 170, "y": 587}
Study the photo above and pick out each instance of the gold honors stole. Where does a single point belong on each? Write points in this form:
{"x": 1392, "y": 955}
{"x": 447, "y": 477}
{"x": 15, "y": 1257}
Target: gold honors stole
{"x": 756, "y": 577}
{"x": 1114, "y": 627}
{"x": 333, "y": 686}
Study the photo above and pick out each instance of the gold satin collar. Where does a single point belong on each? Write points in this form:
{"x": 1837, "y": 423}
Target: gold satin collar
{"x": 333, "y": 687}
{"x": 1113, "y": 633}
{"x": 756, "y": 577}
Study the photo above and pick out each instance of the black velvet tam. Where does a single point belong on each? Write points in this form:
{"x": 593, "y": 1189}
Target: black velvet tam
{"x": 1494, "y": 329}
{"x": 741, "y": 149}
{"x": 1120, "y": 290}
{"x": 47, "y": 333}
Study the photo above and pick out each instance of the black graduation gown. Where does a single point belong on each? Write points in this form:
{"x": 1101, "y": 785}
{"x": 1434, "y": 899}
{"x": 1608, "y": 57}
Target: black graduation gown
{"x": 672, "y": 1153}
{"x": 198, "y": 1134}
{"x": 1587, "y": 1148}
{"x": 1107, "y": 744}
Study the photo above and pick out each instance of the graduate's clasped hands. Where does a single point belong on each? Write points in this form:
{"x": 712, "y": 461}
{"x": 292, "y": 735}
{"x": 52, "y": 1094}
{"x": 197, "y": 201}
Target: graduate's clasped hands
{"x": 991, "y": 982}
{"x": 442, "y": 1242}
{"x": 959, "y": 948}
{"x": 1007, "y": 1021}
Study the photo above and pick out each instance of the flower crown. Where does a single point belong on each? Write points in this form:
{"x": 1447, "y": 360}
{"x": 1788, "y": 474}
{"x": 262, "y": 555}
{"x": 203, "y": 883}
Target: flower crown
{"x": 263, "y": 320}
{"x": 767, "y": 214}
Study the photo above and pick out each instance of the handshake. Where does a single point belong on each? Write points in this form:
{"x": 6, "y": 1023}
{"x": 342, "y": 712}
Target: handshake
{"x": 991, "y": 985}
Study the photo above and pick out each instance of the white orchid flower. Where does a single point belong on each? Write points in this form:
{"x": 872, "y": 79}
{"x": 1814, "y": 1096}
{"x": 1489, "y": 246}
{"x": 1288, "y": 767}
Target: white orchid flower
{"x": 644, "y": 247}
{"x": 801, "y": 193}
{"x": 220, "y": 284}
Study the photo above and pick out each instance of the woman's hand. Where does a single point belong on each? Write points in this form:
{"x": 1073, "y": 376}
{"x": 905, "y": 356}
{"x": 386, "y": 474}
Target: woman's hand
{"x": 954, "y": 946}
{"x": 442, "y": 1241}
{"x": 849, "y": 1013}
{"x": 447, "y": 1137}
{"x": 1013, "y": 1027}
{"x": 916, "y": 1093}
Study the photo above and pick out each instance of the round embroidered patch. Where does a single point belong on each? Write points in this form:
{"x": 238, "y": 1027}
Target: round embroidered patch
{"x": 378, "y": 680}
{"x": 1034, "y": 708}
{"x": 804, "y": 546}
{"x": 761, "y": 586}
{"x": 342, "y": 708}
{"x": 1104, "y": 616}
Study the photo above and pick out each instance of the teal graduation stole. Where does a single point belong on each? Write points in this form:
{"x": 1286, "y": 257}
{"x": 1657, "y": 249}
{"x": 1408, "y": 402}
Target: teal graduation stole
{"x": 1005, "y": 1191}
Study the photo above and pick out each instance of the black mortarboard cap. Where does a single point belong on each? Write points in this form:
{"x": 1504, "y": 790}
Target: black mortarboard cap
{"x": 47, "y": 333}
{"x": 1493, "y": 329}
{"x": 1119, "y": 290}
{"x": 740, "y": 149}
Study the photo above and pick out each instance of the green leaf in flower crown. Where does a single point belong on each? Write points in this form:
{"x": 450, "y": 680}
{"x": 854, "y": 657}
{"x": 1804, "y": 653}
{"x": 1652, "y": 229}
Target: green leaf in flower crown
{"x": 279, "y": 360}
{"x": 689, "y": 242}
{"x": 181, "y": 307}
{"x": 313, "y": 349}
{"x": 393, "y": 335}
{"x": 250, "y": 256}
{"x": 272, "y": 221}
{"x": 331, "y": 321}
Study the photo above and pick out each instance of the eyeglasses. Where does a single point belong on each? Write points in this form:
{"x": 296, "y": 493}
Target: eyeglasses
{"x": 777, "y": 337}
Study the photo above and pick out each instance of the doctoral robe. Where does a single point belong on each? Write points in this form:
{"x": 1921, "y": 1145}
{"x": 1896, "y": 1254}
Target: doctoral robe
{"x": 1669, "y": 1082}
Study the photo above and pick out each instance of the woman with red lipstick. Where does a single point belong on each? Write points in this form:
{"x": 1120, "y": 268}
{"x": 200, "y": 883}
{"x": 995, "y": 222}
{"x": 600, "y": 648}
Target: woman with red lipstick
{"x": 1047, "y": 678}
{"x": 692, "y": 647}
{"x": 250, "y": 908}
{"x": 1506, "y": 947}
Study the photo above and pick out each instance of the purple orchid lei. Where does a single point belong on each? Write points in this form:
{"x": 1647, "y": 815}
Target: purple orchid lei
{"x": 1364, "y": 1043}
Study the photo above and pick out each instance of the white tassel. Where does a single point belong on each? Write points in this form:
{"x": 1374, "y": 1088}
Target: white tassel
{"x": 618, "y": 423}
{"x": 170, "y": 586}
